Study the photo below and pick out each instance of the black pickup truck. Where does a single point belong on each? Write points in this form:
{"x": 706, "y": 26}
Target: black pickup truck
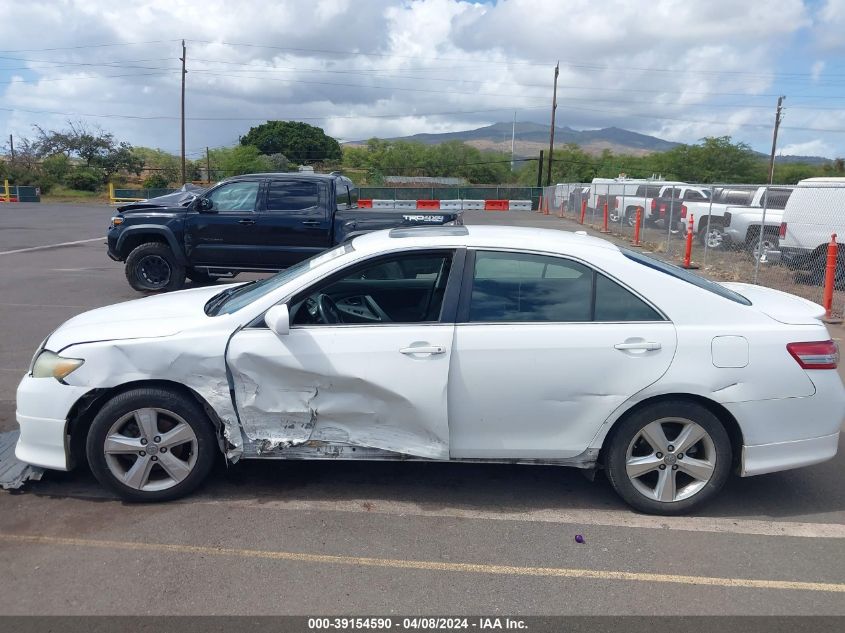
{"x": 251, "y": 223}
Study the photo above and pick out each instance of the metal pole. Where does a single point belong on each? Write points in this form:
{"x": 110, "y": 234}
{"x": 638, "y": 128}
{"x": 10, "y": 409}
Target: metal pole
{"x": 707, "y": 227}
{"x": 184, "y": 72}
{"x": 552, "y": 132}
{"x": 760, "y": 237}
{"x": 540, "y": 170}
{"x": 669, "y": 222}
{"x": 208, "y": 165}
{"x": 12, "y": 147}
{"x": 775, "y": 140}
{"x": 513, "y": 136}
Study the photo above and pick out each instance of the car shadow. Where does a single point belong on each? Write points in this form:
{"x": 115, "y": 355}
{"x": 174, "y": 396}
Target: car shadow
{"x": 810, "y": 493}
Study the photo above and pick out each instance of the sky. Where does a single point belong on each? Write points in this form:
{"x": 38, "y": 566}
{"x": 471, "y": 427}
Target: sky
{"x": 675, "y": 69}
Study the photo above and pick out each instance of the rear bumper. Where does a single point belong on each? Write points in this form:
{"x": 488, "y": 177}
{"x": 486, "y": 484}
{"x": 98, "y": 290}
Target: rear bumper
{"x": 794, "y": 258}
{"x": 770, "y": 458}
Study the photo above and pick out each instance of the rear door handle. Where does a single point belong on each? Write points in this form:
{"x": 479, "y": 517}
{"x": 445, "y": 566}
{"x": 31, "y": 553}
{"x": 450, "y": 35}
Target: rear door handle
{"x": 648, "y": 346}
{"x": 246, "y": 221}
{"x": 431, "y": 350}
{"x": 312, "y": 223}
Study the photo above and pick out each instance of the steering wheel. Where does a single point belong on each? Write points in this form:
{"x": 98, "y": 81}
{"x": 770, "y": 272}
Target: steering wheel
{"x": 327, "y": 309}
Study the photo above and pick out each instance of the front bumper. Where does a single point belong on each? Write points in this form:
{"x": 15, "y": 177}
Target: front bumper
{"x": 43, "y": 407}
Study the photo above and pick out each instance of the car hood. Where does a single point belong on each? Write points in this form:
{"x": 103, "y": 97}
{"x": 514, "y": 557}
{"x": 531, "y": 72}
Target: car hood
{"x": 150, "y": 317}
{"x": 781, "y": 306}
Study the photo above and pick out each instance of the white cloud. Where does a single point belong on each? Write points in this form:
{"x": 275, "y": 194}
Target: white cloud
{"x": 816, "y": 147}
{"x": 652, "y": 67}
{"x": 816, "y": 69}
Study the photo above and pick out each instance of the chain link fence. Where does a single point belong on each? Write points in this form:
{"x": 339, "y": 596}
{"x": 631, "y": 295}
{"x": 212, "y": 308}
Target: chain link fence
{"x": 772, "y": 235}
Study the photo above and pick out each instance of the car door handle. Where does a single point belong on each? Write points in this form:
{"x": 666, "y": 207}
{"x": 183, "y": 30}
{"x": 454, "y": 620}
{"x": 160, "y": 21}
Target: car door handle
{"x": 312, "y": 223}
{"x": 246, "y": 221}
{"x": 648, "y": 346}
{"x": 431, "y": 350}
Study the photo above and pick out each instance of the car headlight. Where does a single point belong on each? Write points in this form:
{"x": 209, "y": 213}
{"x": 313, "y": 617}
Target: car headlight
{"x": 50, "y": 365}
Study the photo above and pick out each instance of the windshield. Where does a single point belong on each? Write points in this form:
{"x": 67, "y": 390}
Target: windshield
{"x": 233, "y": 299}
{"x": 685, "y": 275}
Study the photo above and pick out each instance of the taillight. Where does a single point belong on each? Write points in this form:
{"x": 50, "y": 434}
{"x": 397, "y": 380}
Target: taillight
{"x": 653, "y": 205}
{"x": 782, "y": 230}
{"x": 815, "y": 354}
{"x": 683, "y": 211}
{"x": 662, "y": 211}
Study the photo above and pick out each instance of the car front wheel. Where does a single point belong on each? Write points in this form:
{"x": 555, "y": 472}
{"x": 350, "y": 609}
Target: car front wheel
{"x": 151, "y": 444}
{"x": 668, "y": 458}
{"x": 151, "y": 267}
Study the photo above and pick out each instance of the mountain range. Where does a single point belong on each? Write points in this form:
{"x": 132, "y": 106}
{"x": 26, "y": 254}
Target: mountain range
{"x": 530, "y": 138}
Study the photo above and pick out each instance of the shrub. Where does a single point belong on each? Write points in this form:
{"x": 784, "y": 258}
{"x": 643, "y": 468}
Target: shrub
{"x": 156, "y": 181}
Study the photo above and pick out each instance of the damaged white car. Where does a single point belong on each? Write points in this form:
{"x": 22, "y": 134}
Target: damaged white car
{"x": 494, "y": 344}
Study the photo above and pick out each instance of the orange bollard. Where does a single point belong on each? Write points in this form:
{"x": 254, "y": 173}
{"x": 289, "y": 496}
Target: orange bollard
{"x": 604, "y": 228}
{"x": 545, "y": 206}
{"x": 540, "y": 204}
{"x": 637, "y": 222}
{"x": 688, "y": 251}
{"x": 830, "y": 277}
{"x": 583, "y": 209}
{"x": 560, "y": 210}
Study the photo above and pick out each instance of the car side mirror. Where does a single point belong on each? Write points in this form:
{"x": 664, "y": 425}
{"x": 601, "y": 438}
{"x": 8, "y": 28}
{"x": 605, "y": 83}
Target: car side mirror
{"x": 277, "y": 319}
{"x": 205, "y": 205}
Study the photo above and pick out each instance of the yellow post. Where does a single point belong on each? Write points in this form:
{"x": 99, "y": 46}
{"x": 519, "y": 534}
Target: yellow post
{"x": 111, "y": 193}
{"x": 7, "y": 197}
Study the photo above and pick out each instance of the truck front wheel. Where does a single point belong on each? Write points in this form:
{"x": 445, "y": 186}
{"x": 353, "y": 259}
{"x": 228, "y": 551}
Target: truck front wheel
{"x": 152, "y": 267}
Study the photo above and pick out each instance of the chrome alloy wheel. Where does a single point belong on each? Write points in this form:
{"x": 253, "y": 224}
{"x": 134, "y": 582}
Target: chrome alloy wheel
{"x": 150, "y": 449}
{"x": 670, "y": 459}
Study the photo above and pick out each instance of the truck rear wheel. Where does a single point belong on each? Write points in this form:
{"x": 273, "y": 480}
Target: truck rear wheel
{"x": 152, "y": 267}
{"x": 712, "y": 236}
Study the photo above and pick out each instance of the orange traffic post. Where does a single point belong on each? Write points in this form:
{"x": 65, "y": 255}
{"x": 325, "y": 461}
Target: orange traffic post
{"x": 560, "y": 210}
{"x": 830, "y": 279}
{"x": 688, "y": 250}
{"x": 604, "y": 228}
{"x": 637, "y": 222}
{"x": 583, "y": 209}
{"x": 540, "y": 204}
{"x": 545, "y": 206}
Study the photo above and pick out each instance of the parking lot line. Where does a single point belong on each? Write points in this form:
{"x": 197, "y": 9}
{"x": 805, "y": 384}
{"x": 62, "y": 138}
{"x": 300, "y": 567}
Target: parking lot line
{"x": 46, "y": 246}
{"x": 392, "y": 563}
{"x": 608, "y": 518}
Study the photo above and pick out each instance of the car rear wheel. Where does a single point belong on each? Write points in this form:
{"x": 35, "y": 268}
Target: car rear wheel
{"x": 151, "y": 267}
{"x": 151, "y": 444}
{"x": 712, "y": 237}
{"x": 668, "y": 458}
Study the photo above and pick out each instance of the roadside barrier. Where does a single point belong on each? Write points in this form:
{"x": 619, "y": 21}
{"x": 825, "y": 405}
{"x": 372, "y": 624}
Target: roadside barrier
{"x": 496, "y": 205}
{"x": 583, "y": 210}
{"x": 830, "y": 280}
{"x": 448, "y": 205}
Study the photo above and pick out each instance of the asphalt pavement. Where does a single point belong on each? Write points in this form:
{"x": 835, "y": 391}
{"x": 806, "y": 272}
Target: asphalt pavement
{"x": 378, "y": 538}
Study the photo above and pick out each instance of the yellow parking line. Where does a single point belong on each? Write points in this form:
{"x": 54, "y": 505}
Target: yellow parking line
{"x": 473, "y": 568}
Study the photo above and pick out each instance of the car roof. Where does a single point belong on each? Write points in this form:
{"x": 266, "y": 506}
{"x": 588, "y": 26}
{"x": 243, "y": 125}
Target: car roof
{"x": 809, "y": 182}
{"x": 491, "y": 236}
{"x": 288, "y": 174}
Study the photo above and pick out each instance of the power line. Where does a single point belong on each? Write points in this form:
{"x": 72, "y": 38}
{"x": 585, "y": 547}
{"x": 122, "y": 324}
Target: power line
{"x": 83, "y": 46}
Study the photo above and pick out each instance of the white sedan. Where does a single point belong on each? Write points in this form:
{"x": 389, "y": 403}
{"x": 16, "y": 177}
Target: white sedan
{"x": 492, "y": 344}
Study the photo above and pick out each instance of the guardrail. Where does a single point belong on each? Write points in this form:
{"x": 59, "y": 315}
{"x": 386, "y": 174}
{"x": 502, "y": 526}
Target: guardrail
{"x": 135, "y": 195}
{"x": 19, "y": 193}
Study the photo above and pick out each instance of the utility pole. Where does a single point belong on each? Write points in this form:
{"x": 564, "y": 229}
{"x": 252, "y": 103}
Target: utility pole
{"x": 513, "y": 135}
{"x": 208, "y": 164}
{"x": 184, "y": 72}
{"x": 552, "y": 134}
{"x": 12, "y": 148}
{"x": 540, "y": 170}
{"x": 778, "y": 115}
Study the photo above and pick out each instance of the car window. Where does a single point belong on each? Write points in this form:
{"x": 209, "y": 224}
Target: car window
{"x": 652, "y": 191}
{"x": 691, "y": 194}
{"x": 407, "y": 288}
{"x": 615, "y": 303}
{"x": 235, "y": 196}
{"x": 527, "y": 287}
{"x": 776, "y": 198}
{"x": 294, "y": 195}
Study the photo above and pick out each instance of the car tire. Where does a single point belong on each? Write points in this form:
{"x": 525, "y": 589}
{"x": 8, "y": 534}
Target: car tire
{"x": 152, "y": 267}
{"x": 684, "y": 481}
{"x": 151, "y": 444}
{"x": 198, "y": 276}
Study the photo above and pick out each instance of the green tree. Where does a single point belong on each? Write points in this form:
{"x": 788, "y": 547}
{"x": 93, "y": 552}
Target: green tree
{"x": 299, "y": 142}
{"x": 241, "y": 159}
{"x": 161, "y": 162}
